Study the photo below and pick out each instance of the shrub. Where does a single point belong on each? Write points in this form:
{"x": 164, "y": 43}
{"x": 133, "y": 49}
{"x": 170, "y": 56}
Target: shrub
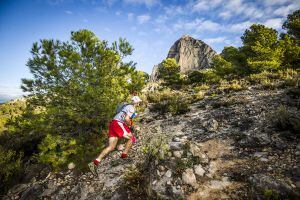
{"x": 197, "y": 96}
{"x": 201, "y": 87}
{"x": 169, "y": 72}
{"x": 156, "y": 147}
{"x": 290, "y": 77}
{"x": 56, "y": 150}
{"x": 271, "y": 80}
{"x": 158, "y": 96}
{"x": 10, "y": 165}
{"x": 285, "y": 119}
{"x": 230, "y": 86}
{"x": 204, "y": 76}
{"x": 175, "y": 105}
{"x": 221, "y": 66}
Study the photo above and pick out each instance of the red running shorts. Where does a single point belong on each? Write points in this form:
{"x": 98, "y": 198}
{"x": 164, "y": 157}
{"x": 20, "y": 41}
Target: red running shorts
{"x": 118, "y": 129}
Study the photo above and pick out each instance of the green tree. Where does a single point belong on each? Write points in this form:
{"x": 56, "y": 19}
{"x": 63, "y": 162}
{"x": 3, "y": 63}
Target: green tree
{"x": 261, "y": 48}
{"x": 237, "y": 59}
{"x": 291, "y": 52}
{"x": 73, "y": 94}
{"x": 221, "y": 66}
{"x": 169, "y": 71}
{"x": 292, "y": 25}
{"x": 79, "y": 82}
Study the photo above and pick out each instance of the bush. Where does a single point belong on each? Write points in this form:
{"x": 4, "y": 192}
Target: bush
{"x": 10, "y": 165}
{"x": 271, "y": 80}
{"x": 230, "y": 86}
{"x": 221, "y": 66}
{"x": 204, "y": 76}
{"x": 56, "y": 150}
{"x": 156, "y": 147}
{"x": 197, "y": 96}
{"x": 169, "y": 72}
{"x": 285, "y": 119}
{"x": 158, "y": 96}
{"x": 201, "y": 87}
{"x": 168, "y": 101}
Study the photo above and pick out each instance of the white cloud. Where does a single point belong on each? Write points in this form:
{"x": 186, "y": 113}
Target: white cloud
{"x": 118, "y": 13}
{"x": 143, "y": 18}
{"x": 197, "y": 25}
{"x": 68, "y": 12}
{"x": 130, "y": 16}
{"x": 148, "y": 3}
{"x": 275, "y": 2}
{"x": 275, "y": 23}
{"x": 161, "y": 19}
{"x": 215, "y": 40}
{"x": 225, "y": 14}
{"x": 238, "y": 27}
{"x": 285, "y": 10}
{"x": 172, "y": 10}
{"x": 203, "y": 5}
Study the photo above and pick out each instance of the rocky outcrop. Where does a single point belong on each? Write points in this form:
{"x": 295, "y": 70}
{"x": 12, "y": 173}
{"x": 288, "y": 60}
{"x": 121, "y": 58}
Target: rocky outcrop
{"x": 191, "y": 54}
{"x": 216, "y": 150}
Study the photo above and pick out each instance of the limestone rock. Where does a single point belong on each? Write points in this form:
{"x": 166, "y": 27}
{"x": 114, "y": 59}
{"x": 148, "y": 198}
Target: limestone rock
{"x": 71, "y": 166}
{"x": 188, "y": 177}
{"x": 190, "y": 54}
{"x": 199, "y": 170}
{"x": 211, "y": 125}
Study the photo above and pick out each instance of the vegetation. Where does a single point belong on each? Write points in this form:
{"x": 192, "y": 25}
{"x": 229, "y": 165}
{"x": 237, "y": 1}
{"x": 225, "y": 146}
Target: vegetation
{"x": 77, "y": 84}
{"x": 263, "y": 51}
{"x": 286, "y": 119}
{"x": 169, "y": 73}
{"x": 73, "y": 94}
{"x": 169, "y": 101}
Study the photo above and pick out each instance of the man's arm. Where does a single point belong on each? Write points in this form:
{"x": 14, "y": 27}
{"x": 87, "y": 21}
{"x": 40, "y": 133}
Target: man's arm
{"x": 128, "y": 120}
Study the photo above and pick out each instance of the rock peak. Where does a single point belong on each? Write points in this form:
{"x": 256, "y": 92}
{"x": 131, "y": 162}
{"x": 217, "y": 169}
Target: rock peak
{"x": 191, "y": 54}
{"x": 186, "y": 36}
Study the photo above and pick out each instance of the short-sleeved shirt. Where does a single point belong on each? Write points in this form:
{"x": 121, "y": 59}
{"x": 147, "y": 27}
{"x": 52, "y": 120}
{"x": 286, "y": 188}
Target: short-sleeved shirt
{"x": 127, "y": 110}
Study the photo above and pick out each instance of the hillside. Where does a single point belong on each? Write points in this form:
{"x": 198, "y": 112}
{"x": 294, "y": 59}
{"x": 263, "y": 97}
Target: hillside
{"x": 209, "y": 126}
{"x": 225, "y": 146}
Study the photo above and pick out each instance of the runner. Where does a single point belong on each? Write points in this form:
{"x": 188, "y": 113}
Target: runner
{"x": 120, "y": 127}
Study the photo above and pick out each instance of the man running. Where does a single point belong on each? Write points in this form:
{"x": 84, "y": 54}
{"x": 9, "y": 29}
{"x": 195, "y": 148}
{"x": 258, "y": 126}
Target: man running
{"x": 118, "y": 128}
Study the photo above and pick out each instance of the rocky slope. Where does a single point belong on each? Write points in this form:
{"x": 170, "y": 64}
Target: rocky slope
{"x": 224, "y": 148}
{"x": 190, "y": 54}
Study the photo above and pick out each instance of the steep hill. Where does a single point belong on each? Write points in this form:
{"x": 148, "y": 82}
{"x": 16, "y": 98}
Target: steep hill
{"x": 224, "y": 147}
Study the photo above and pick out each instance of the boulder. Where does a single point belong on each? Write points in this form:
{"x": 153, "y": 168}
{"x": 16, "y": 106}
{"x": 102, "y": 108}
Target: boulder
{"x": 188, "y": 177}
{"x": 199, "y": 170}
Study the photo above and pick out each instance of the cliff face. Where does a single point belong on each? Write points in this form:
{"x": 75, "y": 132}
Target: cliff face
{"x": 191, "y": 54}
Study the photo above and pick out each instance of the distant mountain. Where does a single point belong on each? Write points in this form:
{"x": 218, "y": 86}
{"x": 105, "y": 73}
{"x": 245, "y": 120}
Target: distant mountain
{"x": 191, "y": 54}
{"x": 5, "y": 98}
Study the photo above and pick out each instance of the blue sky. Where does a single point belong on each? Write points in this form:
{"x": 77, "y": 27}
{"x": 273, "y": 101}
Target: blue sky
{"x": 151, "y": 26}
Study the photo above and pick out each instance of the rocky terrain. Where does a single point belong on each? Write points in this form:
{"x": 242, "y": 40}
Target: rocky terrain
{"x": 190, "y": 54}
{"x": 225, "y": 147}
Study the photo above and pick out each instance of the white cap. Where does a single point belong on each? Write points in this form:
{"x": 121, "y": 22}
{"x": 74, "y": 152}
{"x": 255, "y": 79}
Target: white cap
{"x": 136, "y": 99}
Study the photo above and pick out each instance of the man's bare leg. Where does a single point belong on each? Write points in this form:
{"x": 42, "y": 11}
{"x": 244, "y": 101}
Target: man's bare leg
{"x": 127, "y": 146}
{"x": 112, "y": 143}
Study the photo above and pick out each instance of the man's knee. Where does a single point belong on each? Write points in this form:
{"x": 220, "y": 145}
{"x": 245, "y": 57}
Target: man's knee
{"x": 128, "y": 136}
{"x": 111, "y": 148}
